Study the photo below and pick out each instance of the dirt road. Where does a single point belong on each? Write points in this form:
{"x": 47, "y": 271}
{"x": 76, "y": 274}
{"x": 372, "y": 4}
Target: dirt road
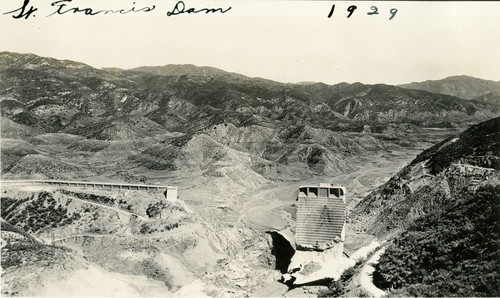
{"x": 366, "y": 275}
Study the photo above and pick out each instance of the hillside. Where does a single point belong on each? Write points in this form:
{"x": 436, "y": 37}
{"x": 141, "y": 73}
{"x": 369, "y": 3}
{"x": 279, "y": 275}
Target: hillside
{"x": 130, "y": 243}
{"x": 454, "y": 252}
{"x": 461, "y": 86}
{"x": 440, "y": 213}
{"x": 66, "y": 225}
{"x": 435, "y": 177}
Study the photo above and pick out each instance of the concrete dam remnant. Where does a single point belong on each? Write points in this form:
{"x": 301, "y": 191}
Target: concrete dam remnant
{"x": 319, "y": 235}
{"x": 320, "y": 217}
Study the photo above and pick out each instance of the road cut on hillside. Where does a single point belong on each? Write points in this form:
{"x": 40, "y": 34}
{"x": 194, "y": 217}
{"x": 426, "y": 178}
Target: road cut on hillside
{"x": 366, "y": 275}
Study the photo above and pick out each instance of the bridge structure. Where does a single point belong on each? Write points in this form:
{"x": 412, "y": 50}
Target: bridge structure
{"x": 170, "y": 192}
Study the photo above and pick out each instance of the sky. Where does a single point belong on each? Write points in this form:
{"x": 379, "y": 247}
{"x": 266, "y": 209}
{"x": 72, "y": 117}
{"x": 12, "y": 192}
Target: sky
{"x": 286, "y": 41}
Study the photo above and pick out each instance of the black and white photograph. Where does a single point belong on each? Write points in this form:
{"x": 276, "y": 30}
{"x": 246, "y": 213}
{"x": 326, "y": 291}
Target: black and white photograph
{"x": 249, "y": 148}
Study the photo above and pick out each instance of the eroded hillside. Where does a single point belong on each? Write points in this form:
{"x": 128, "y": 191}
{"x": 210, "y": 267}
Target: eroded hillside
{"x": 156, "y": 247}
{"x": 436, "y": 176}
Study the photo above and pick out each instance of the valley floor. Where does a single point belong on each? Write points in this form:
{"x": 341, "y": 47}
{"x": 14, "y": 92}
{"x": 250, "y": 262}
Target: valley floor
{"x": 235, "y": 223}
{"x": 271, "y": 207}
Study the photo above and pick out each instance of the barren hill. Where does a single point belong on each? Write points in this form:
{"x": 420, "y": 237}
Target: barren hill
{"x": 100, "y": 243}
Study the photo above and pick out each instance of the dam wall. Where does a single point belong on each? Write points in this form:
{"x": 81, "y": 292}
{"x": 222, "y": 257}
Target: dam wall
{"x": 320, "y": 217}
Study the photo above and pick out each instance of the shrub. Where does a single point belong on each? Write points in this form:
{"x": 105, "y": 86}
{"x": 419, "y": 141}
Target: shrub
{"x": 337, "y": 287}
{"x": 90, "y": 197}
{"x": 34, "y": 213}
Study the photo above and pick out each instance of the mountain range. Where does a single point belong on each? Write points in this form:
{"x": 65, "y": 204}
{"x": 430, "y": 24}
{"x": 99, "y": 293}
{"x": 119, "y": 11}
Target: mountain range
{"x": 159, "y": 117}
{"x": 64, "y": 96}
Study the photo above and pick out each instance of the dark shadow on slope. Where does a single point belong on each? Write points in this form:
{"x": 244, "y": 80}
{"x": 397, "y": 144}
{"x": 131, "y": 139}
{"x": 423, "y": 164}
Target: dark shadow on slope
{"x": 282, "y": 250}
